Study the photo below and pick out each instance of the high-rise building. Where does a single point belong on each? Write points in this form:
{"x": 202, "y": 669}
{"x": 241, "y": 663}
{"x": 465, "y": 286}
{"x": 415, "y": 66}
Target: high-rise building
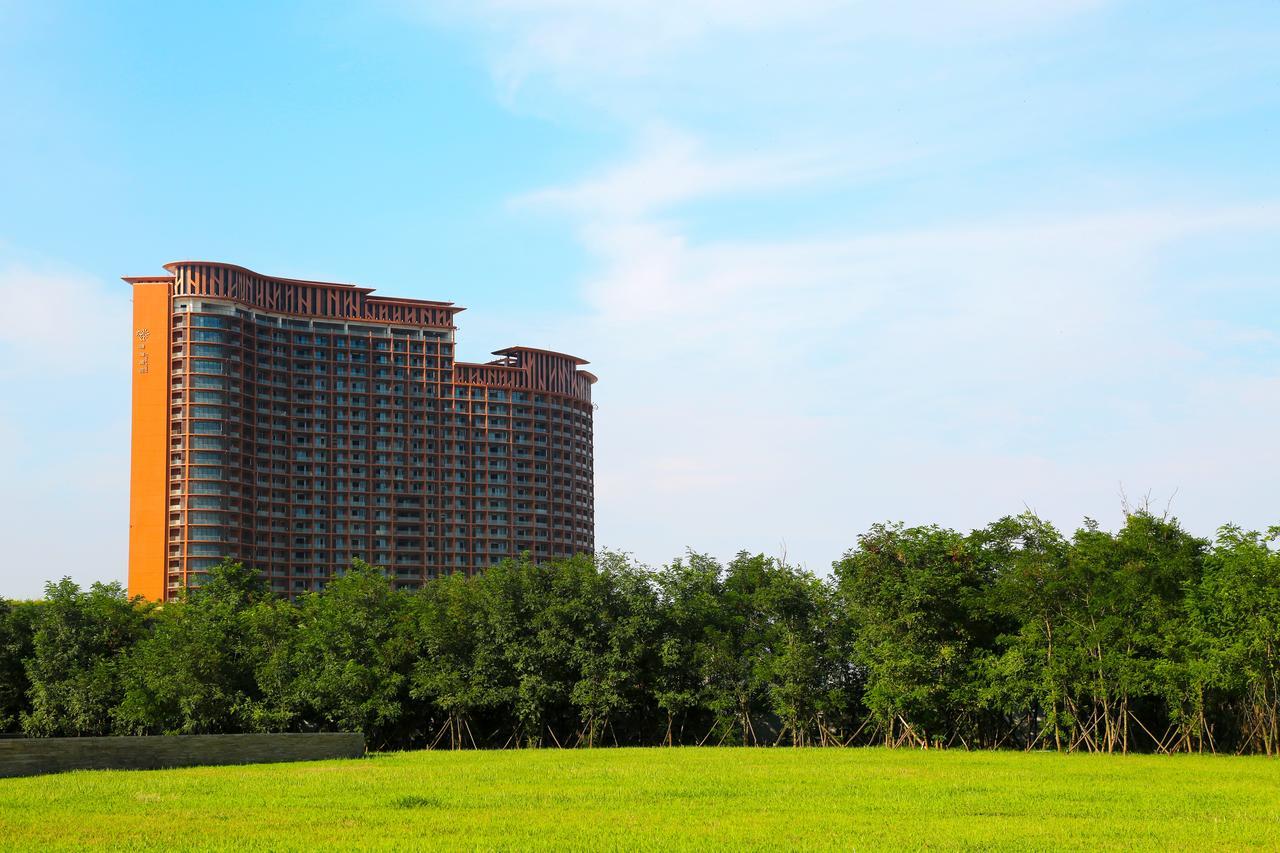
{"x": 296, "y": 425}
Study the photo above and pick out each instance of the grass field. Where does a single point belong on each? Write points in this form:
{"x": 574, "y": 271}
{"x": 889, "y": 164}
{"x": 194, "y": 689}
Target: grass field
{"x": 661, "y": 798}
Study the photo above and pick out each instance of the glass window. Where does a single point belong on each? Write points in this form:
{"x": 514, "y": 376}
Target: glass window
{"x": 209, "y": 335}
{"x": 205, "y": 517}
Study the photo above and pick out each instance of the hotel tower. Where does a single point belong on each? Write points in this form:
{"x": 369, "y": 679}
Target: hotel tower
{"x": 297, "y": 425}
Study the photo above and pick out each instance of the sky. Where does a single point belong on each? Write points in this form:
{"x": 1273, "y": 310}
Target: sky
{"x": 835, "y": 263}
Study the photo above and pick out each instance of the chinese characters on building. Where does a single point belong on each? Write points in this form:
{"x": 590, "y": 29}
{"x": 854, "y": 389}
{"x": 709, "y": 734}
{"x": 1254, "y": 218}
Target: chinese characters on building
{"x": 143, "y": 358}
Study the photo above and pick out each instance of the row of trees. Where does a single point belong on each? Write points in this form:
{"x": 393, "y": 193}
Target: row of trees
{"x": 1010, "y": 636}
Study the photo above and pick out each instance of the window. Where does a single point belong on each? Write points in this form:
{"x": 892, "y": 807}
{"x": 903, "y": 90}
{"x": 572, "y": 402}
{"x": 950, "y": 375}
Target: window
{"x": 205, "y": 517}
{"x": 209, "y": 335}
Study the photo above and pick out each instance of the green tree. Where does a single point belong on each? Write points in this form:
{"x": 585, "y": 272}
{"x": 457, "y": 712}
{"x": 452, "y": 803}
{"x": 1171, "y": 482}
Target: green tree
{"x": 530, "y": 646}
{"x": 17, "y": 630}
{"x": 1097, "y": 619}
{"x": 195, "y": 673}
{"x": 270, "y": 631}
{"x": 689, "y": 606}
{"x": 353, "y": 656}
{"x": 455, "y": 673}
{"x": 1028, "y": 680}
{"x": 731, "y": 667}
{"x": 761, "y": 655}
{"x": 78, "y": 646}
{"x": 801, "y": 658}
{"x": 915, "y": 603}
{"x": 613, "y": 619}
{"x": 1231, "y": 649}
{"x": 1124, "y": 592}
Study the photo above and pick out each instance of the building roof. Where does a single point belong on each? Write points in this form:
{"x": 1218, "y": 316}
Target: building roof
{"x": 173, "y": 266}
{"x": 514, "y": 350}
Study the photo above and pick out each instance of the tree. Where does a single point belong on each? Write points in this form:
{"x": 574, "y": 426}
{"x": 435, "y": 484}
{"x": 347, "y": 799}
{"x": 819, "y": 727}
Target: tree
{"x": 1124, "y": 591}
{"x": 79, "y": 643}
{"x": 914, "y": 599}
{"x": 17, "y": 629}
{"x": 1232, "y": 645}
{"x": 352, "y": 658}
{"x": 1027, "y": 681}
{"x": 761, "y": 654}
{"x": 729, "y": 652}
{"x": 195, "y": 673}
{"x": 614, "y": 623}
{"x": 452, "y": 672}
{"x": 801, "y": 670}
{"x": 1097, "y": 626}
{"x": 689, "y": 606}
{"x": 1148, "y": 639}
{"x": 528, "y": 645}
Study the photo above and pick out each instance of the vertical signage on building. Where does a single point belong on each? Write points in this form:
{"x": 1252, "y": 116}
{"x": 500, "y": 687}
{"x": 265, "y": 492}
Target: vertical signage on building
{"x": 143, "y": 358}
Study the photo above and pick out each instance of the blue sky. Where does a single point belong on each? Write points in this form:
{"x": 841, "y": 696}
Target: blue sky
{"x": 834, "y": 263}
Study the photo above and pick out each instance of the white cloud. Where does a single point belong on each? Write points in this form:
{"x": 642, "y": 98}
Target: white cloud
{"x": 1008, "y": 344}
{"x": 799, "y": 390}
{"x": 634, "y": 37}
{"x": 1076, "y": 274}
{"x": 674, "y": 167}
{"x": 64, "y": 404}
{"x": 62, "y": 322}
{"x": 762, "y": 387}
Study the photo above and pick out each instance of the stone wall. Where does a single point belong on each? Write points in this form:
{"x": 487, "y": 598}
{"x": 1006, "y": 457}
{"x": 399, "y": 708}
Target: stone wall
{"x": 33, "y": 756}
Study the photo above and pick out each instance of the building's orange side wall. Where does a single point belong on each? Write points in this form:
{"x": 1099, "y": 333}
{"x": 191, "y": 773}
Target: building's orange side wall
{"x": 149, "y": 464}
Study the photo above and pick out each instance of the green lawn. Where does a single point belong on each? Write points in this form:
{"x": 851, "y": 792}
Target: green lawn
{"x": 662, "y": 798}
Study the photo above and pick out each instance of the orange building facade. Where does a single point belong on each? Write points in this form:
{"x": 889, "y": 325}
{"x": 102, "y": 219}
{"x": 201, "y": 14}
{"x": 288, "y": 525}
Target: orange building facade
{"x": 297, "y": 425}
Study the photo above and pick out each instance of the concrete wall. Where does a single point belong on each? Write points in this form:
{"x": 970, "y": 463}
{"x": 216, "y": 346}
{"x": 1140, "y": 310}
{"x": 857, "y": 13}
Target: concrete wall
{"x": 33, "y": 756}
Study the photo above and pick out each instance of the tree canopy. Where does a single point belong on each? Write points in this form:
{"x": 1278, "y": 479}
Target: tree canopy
{"x": 1011, "y": 636}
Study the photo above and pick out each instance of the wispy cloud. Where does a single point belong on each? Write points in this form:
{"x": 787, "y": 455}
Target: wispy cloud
{"x": 64, "y": 403}
{"x": 63, "y": 322}
{"x": 778, "y": 383}
{"x": 797, "y": 390}
{"x": 673, "y": 167}
{"x": 626, "y": 38}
